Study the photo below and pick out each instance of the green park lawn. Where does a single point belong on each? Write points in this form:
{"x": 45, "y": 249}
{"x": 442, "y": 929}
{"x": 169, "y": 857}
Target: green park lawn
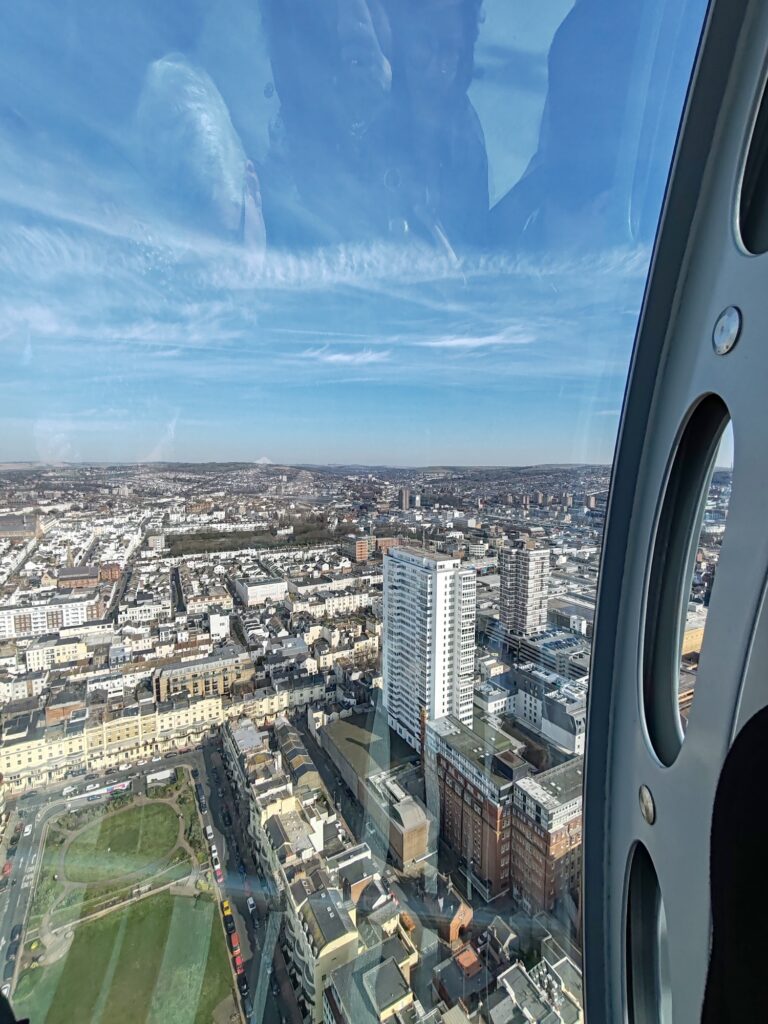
{"x": 161, "y": 960}
{"x": 126, "y": 843}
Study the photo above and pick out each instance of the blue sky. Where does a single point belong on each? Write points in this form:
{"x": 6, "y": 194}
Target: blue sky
{"x": 136, "y": 326}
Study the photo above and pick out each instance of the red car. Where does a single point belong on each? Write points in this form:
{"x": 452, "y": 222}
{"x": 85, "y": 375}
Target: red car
{"x": 234, "y": 943}
{"x": 7, "y": 868}
{"x": 239, "y": 965}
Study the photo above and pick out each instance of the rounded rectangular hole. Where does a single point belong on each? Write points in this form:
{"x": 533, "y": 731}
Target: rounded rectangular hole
{"x": 648, "y": 986}
{"x": 753, "y": 196}
{"x": 684, "y": 558}
{"x": 706, "y": 555}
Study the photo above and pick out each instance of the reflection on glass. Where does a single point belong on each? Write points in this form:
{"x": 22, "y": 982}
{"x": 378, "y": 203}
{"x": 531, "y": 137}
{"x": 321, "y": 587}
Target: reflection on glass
{"x": 707, "y": 553}
{"x": 291, "y": 291}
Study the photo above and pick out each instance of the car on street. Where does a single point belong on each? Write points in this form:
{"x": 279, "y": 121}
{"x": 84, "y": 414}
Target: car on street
{"x": 91, "y": 775}
{"x": 7, "y": 868}
{"x": 226, "y": 907}
{"x": 227, "y": 818}
{"x": 12, "y": 951}
{"x": 156, "y": 758}
{"x": 209, "y": 833}
{"x": 251, "y": 902}
{"x": 171, "y": 754}
{"x": 247, "y": 1007}
{"x": 6, "y": 990}
{"x": 214, "y": 850}
{"x": 141, "y": 763}
{"x": 93, "y": 785}
{"x": 195, "y": 773}
{"x": 93, "y": 796}
{"x": 234, "y": 942}
{"x": 229, "y": 923}
{"x": 10, "y": 967}
{"x": 242, "y": 984}
{"x": 124, "y": 767}
{"x": 219, "y": 875}
{"x": 220, "y": 793}
{"x": 27, "y": 830}
{"x": 15, "y": 933}
{"x": 68, "y": 791}
{"x": 237, "y": 963}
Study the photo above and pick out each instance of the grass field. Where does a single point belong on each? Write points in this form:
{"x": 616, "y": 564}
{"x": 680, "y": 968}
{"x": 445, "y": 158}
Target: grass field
{"x": 163, "y": 960}
{"x": 126, "y": 843}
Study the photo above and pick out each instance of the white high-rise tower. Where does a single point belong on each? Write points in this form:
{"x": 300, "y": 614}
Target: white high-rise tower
{"x": 524, "y": 588}
{"x": 429, "y": 639}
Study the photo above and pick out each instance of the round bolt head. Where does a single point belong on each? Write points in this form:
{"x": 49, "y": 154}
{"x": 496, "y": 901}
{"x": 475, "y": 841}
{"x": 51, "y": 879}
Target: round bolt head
{"x": 726, "y": 330}
{"x": 647, "y": 806}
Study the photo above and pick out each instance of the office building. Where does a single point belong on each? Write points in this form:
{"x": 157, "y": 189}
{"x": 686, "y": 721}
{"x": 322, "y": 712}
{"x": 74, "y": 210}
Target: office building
{"x": 429, "y": 639}
{"x": 524, "y": 572}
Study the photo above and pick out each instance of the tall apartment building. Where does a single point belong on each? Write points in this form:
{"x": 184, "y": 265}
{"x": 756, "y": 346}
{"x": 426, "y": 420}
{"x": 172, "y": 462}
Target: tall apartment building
{"x": 524, "y": 571}
{"x": 404, "y": 498}
{"x": 429, "y": 639}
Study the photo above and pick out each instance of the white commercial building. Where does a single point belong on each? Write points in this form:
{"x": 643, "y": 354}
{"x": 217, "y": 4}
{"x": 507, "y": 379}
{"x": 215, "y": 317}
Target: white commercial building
{"x": 524, "y": 588}
{"x": 429, "y": 639}
{"x": 260, "y": 590}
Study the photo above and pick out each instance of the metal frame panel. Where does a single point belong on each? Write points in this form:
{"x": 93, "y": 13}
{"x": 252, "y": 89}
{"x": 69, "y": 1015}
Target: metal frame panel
{"x": 698, "y": 269}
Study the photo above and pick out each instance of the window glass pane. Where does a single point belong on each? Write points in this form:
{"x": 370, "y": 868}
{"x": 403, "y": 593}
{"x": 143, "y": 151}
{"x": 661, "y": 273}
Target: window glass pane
{"x": 316, "y": 319}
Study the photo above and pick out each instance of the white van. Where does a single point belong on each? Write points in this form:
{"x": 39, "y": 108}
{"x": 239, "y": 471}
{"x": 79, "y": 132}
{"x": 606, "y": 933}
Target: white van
{"x": 209, "y": 833}
{"x": 69, "y": 791}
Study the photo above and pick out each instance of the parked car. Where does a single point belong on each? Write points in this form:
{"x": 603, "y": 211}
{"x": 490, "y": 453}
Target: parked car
{"x": 93, "y": 785}
{"x": 229, "y": 923}
{"x": 227, "y": 818}
{"x": 10, "y": 967}
{"x": 234, "y": 942}
{"x": 124, "y": 767}
{"x": 27, "y": 830}
{"x": 247, "y": 1007}
{"x": 15, "y": 933}
{"x": 68, "y": 791}
{"x": 140, "y": 763}
{"x": 157, "y": 757}
{"x": 209, "y": 833}
{"x": 6, "y": 990}
{"x": 219, "y": 874}
{"x": 7, "y": 868}
{"x": 195, "y": 773}
{"x": 238, "y": 964}
{"x": 251, "y": 902}
{"x": 226, "y": 907}
{"x": 91, "y": 775}
{"x": 11, "y": 952}
{"x": 214, "y": 850}
{"x": 93, "y": 796}
{"x": 242, "y": 984}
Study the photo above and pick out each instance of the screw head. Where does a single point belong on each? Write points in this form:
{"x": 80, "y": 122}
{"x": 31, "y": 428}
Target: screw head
{"x": 726, "y": 330}
{"x": 647, "y": 806}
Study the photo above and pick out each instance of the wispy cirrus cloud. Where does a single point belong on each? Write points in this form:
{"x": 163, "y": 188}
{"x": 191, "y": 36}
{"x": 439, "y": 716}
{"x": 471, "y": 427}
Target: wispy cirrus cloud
{"x": 502, "y": 339}
{"x": 361, "y": 357}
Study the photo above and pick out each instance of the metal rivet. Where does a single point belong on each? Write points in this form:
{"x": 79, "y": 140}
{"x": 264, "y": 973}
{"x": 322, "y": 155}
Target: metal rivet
{"x": 727, "y": 330}
{"x": 647, "y": 806}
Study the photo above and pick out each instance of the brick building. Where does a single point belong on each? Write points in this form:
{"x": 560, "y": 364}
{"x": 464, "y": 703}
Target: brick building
{"x": 545, "y": 864}
{"x": 470, "y": 777}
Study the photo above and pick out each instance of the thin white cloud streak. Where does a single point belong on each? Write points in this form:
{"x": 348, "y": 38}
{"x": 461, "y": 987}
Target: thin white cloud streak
{"x": 500, "y": 340}
{"x": 364, "y": 357}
